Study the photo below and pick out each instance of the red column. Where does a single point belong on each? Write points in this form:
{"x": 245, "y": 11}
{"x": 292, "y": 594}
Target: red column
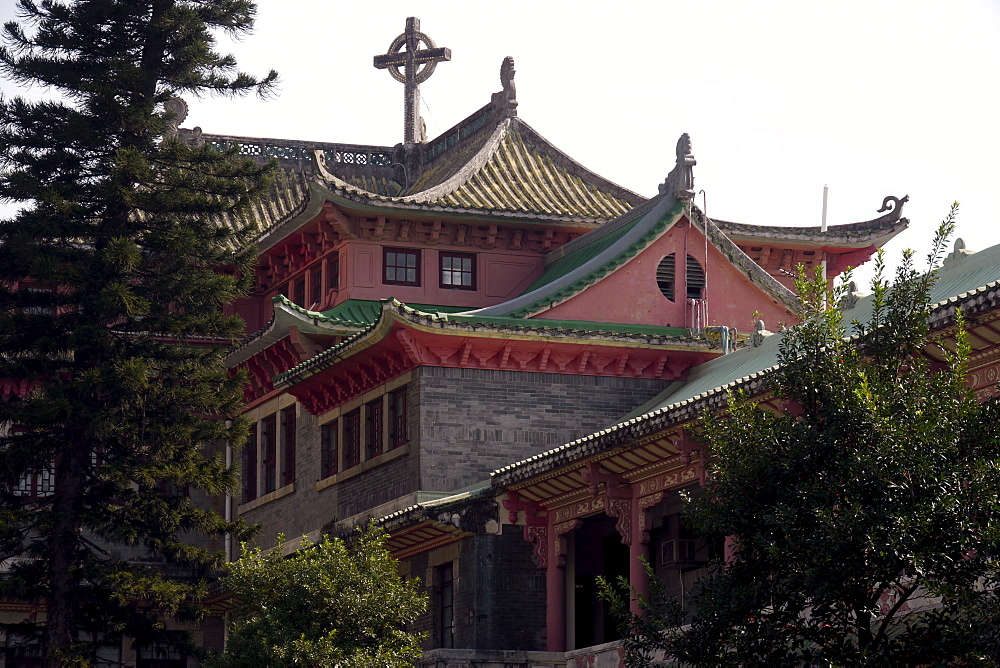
{"x": 555, "y": 597}
{"x": 637, "y": 575}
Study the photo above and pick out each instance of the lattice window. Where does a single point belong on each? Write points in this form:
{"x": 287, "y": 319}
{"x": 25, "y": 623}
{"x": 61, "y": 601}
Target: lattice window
{"x": 250, "y": 466}
{"x": 458, "y": 271}
{"x": 316, "y": 296}
{"x": 333, "y": 271}
{"x": 666, "y": 276}
{"x": 446, "y": 604}
{"x": 328, "y": 451}
{"x": 35, "y": 486}
{"x": 398, "y": 433}
{"x": 299, "y": 291}
{"x": 695, "y": 279}
{"x": 352, "y": 439}
{"x": 288, "y": 445}
{"x": 402, "y": 267}
{"x": 269, "y": 448}
{"x": 373, "y": 429}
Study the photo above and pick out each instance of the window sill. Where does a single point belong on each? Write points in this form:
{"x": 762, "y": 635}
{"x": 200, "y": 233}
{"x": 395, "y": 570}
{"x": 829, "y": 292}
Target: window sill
{"x": 363, "y": 466}
{"x": 267, "y": 498}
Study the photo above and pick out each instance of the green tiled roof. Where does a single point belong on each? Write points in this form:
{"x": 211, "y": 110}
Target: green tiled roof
{"x": 583, "y": 326}
{"x": 967, "y": 281}
{"x": 591, "y": 257}
{"x": 360, "y": 312}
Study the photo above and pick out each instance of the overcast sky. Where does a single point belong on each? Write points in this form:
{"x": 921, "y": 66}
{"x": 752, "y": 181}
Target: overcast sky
{"x": 872, "y": 98}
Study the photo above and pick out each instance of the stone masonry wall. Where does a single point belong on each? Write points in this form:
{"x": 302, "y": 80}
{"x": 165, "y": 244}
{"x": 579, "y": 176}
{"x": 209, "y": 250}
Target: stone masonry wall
{"x": 499, "y": 593}
{"x": 474, "y": 421}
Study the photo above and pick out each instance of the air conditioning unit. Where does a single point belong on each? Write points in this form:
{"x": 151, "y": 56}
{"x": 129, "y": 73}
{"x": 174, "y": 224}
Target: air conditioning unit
{"x": 680, "y": 553}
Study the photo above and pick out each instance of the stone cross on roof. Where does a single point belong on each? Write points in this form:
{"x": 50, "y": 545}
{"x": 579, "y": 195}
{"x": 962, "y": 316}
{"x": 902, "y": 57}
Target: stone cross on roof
{"x": 418, "y": 64}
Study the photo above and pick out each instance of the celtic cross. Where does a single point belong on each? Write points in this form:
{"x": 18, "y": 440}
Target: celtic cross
{"x": 417, "y": 64}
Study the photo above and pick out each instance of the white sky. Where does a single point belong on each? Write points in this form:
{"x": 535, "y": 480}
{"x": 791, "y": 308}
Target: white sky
{"x": 871, "y": 97}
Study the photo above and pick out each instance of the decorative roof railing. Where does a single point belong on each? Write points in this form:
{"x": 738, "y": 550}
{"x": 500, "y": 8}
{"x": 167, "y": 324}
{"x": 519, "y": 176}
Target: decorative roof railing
{"x": 358, "y": 155}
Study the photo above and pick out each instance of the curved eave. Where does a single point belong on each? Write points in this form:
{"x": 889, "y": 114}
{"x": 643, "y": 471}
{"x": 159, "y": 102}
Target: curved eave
{"x": 506, "y": 178}
{"x": 351, "y": 199}
{"x": 286, "y": 315}
{"x": 877, "y": 231}
{"x": 942, "y": 314}
{"x": 659, "y": 215}
{"x": 394, "y": 312}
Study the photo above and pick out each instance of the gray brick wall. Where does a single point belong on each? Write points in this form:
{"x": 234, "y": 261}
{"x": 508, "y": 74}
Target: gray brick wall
{"x": 499, "y": 595}
{"x": 474, "y": 421}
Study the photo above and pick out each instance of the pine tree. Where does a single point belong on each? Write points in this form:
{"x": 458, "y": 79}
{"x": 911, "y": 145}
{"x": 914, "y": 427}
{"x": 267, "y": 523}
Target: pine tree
{"x": 864, "y": 513}
{"x": 113, "y": 278}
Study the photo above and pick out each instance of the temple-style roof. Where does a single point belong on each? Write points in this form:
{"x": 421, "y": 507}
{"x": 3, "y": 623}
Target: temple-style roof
{"x": 589, "y": 258}
{"x": 877, "y": 231}
{"x": 463, "y": 324}
{"x": 515, "y": 173}
{"x": 345, "y": 319}
{"x": 970, "y": 282}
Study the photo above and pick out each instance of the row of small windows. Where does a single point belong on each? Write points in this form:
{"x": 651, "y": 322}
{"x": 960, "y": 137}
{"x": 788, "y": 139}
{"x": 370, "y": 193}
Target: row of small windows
{"x": 694, "y": 277}
{"x": 401, "y": 266}
{"x": 308, "y": 290}
{"x": 266, "y": 448}
{"x": 371, "y": 430}
{"x": 360, "y": 435}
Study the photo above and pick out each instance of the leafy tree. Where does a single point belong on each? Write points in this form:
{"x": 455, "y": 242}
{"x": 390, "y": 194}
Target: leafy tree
{"x": 864, "y": 515}
{"x": 113, "y": 268}
{"x": 325, "y": 605}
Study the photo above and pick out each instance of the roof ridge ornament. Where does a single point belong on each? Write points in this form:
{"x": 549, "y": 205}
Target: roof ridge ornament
{"x": 957, "y": 255}
{"x": 418, "y": 65}
{"x": 506, "y": 99}
{"x": 680, "y": 180}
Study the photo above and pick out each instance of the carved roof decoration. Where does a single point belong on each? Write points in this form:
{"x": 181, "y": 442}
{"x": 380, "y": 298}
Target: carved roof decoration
{"x": 514, "y": 173}
{"x": 971, "y": 284}
{"x": 471, "y": 324}
{"x": 345, "y": 319}
{"x": 582, "y": 262}
{"x": 876, "y": 231}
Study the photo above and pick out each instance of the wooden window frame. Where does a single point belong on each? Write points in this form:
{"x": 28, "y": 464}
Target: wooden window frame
{"x": 352, "y": 439}
{"x": 398, "y": 426}
{"x": 448, "y": 255}
{"x": 414, "y": 252}
{"x": 269, "y": 450}
{"x": 374, "y": 414}
{"x": 446, "y": 604}
{"x": 333, "y": 271}
{"x": 288, "y": 434}
{"x": 250, "y": 466}
{"x": 299, "y": 291}
{"x": 329, "y": 451}
{"x": 316, "y": 285}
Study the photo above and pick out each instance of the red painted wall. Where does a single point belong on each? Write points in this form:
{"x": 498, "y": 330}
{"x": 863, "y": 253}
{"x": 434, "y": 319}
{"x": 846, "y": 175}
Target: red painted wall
{"x": 630, "y": 294}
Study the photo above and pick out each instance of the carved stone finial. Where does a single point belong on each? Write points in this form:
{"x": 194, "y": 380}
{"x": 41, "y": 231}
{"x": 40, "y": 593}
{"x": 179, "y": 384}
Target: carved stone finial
{"x": 506, "y": 99}
{"x": 759, "y": 334}
{"x": 680, "y": 181}
{"x": 894, "y": 204}
{"x": 175, "y": 111}
{"x": 957, "y": 255}
{"x": 418, "y": 65}
{"x": 851, "y": 297}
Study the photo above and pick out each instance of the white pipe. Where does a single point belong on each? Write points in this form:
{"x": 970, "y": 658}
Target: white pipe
{"x": 822, "y": 227}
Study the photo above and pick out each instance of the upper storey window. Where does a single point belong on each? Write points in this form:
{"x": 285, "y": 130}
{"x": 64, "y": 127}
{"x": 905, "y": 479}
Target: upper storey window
{"x": 401, "y": 267}
{"x": 458, "y": 271}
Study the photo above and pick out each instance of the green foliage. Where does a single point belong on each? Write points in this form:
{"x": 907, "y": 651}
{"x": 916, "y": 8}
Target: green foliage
{"x": 865, "y": 512}
{"x": 113, "y": 274}
{"x": 325, "y": 605}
